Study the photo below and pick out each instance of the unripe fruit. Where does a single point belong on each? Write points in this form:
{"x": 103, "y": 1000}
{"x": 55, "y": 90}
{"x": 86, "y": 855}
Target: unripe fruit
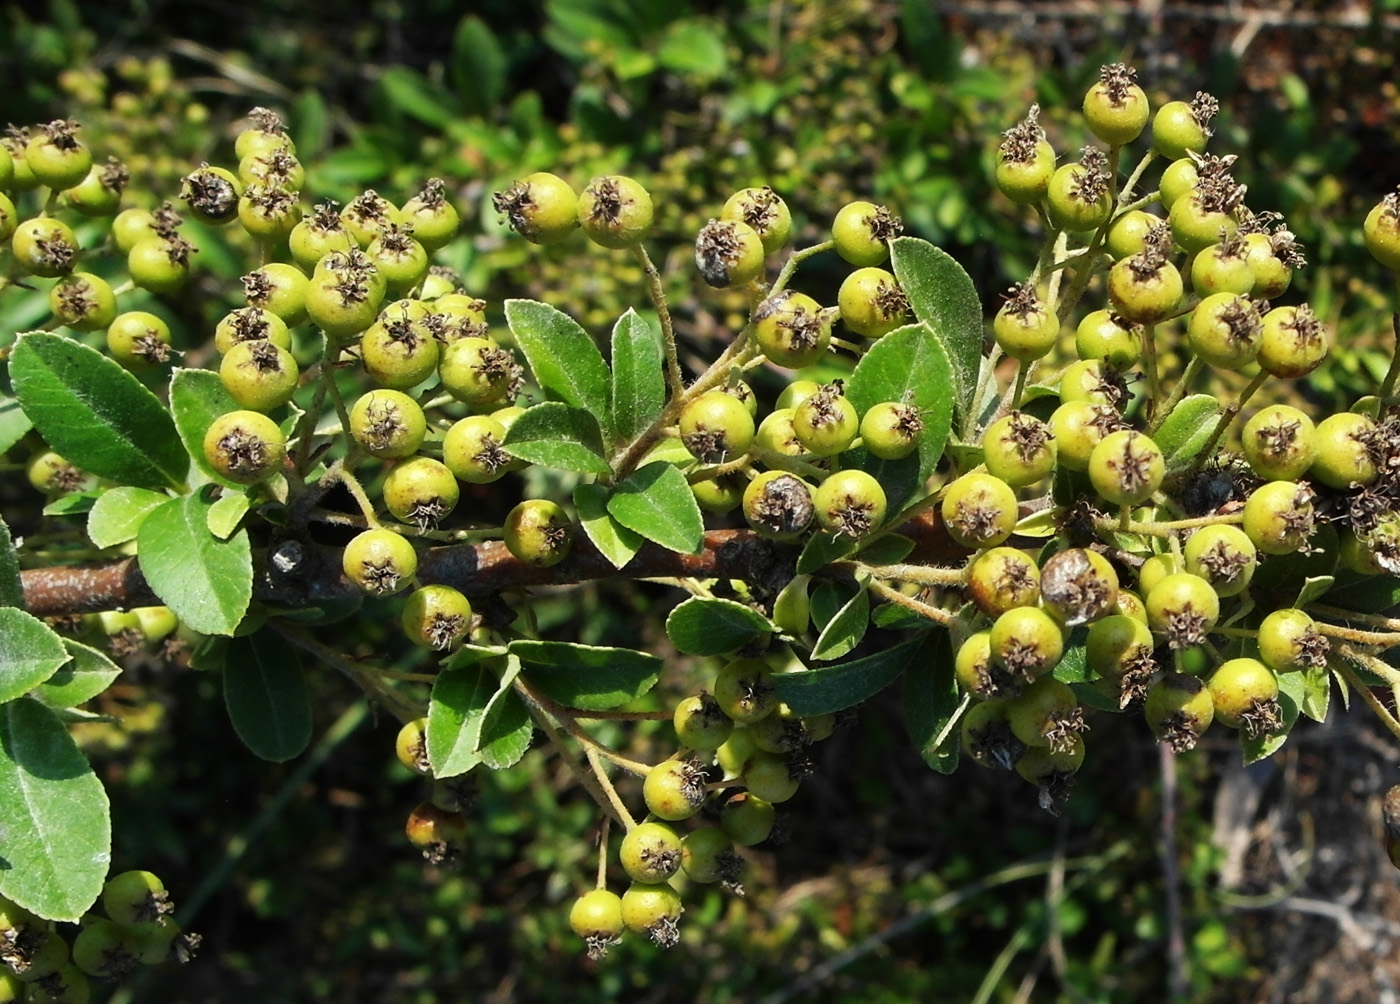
{"x": 1224, "y": 556}
{"x": 716, "y": 427}
{"x": 1129, "y": 232}
{"x": 654, "y": 911}
{"x": 245, "y": 447}
{"x": 105, "y": 949}
{"x": 615, "y": 211}
{"x": 437, "y": 617}
{"x": 795, "y": 392}
{"x": 1078, "y": 586}
{"x": 472, "y": 450}
{"x": 1023, "y": 327}
{"x": 1145, "y": 288}
{"x": 341, "y": 304}
{"x": 1027, "y": 642}
{"x": 719, "y": 494}
{"x": 979, "y": 510}
{"x": 539, "y": 532}
{"x": 1025, "y": 161}
{"x": 770, "y": 777}
{"x": 826, "y": 423}
{"x": 701, "y": 723}
{"x": 282, "y": 289}
{"x": 779, "y": 505}
{"x": 792, "y": 329}
{"x": 651, "y": 852}
{"x": 1001, "y": 579}
{"x": 430, "y": 217}
{"x": 977, "y": 672}
{"x": 9, "y": 218}
{"x": 368, "y": 215}
{"x": 674, "y": 789}
{"x": 596, "y": 916}
{"x": 871, "y": 302}
{"x": 398, "y": 352}
{"x": 747, "y": 819}
{"x": 380, "y": 562}
{"x": 44, "y": 246}
{"x": 1115, "y": 108}
{"x": 259, "y": 375}
{"x": 850, "y": 503}
{"x": 744, "y": 690}
{"x": 420, "y": 490}
{"x": 540, "y": 207}
{"x": 268, "y": 212}
{"x": 1052, "y": 771}
{"x": 1293, "y": 343}
{"x": 411, "y": 746}
{"x": 1272, "y": 267}
{"x": 890, "y": 430}
{"x": 318, "y": 234}
{"x": 707, "y": 855}
{"x": 388, "y": 424}
{"x": 138, "y": 339}
{"x": 1278, "y": 517}
{"x": 1018, "y": 449}
{"x": 1104, "y": 335}
{"x": 1046, "y": 713}
{"x": 1120, "y": 647}
{"x": 987, "y": 737}
{"x": 1222, "y": 268}
{"x": 735, "y": 752}
{"x": 83, "y": 301}
{"x": 1348, "y": 449}
{"x": 479, "y": 373}
{"x": 56, "y": 157}
{"x": 1279, "y": 443}
{"x": 1225, "y": 330}
{"x": 764, "y": 211}
{"x": 1078, "y": 426}
{"x": 1093, "y": 381}
{"x": 1179, "y": 709}
{"x": 1078, "y": 197}
{"x": 1178, "y": 127}
{"x": 264, "y": 136}
{"x": 1126, "y": 467}
{"x": 1289, "y": 640}
{"x": 135, "y": 897}
{"x": 1245, "y": 694}
{"x": 160, "y": 264}
{"x": 1381, "y": 231}
{"x": 438, "y": 833}
{"x": 50, "y": 473}
{"x": 1182, "y": 608}
{"x": 862, "y": 232}
{"x": 728, "y": 253}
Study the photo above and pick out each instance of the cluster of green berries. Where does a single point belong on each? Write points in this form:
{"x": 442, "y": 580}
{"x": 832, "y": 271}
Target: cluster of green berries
{"x": 42, "y": 964}
{"x": 742, "y": 752}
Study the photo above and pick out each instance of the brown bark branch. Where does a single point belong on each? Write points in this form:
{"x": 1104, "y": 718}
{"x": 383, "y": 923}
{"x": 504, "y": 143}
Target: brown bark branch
{"x": 476, "y": 569}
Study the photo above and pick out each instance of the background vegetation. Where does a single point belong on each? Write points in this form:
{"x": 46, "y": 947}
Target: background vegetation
{"x": 1230, "y": 884}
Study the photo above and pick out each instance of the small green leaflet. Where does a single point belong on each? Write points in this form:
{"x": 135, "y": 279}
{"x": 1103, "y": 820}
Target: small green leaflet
{"x": 942, "y": 296}
{"x": 613, "y": 540}
{"x": 206, "y": 581}
{"x": 81, "y": 678}
{"x": 455, "y": 711}
{"x": 1185, "y": 432}
{"x": 116, "y": 516}
{"x": 705, "y": 625}
{"x": 226, "y": 514}
{"x": 14, "y": 423}
{"x": 54, "y": 816}
{"x": 556, "y": 435}
{"x": 1291, "y": 695}
{"x": 656, "y": 502}
{"x": 834, "y": 688}
{"x": 822, "y": 549}
{"x": 30, "y": 653}
{"x": 11, "y": 585}
{"x": 586, "y": 676}
{"x": 933, "y": 703}
{"x": 566, "y": 363}
{"x": 845, "y": 630}
{"x": 197, "y": 397}
{"x": 96, "y": 414}
{"x": 266, "y": 696}
{"x": 638, "y": 377}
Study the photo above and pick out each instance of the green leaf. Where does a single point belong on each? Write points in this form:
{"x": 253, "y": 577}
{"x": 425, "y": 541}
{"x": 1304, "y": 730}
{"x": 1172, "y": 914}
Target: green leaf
{"x": 478, "y": 66}
{"x": 506, "y": 728}
{"x": 226, "y": 514}
{"x": 207, "y": 582}
{"x": 933, "y": 704}
{"x": 908, "y": 364}
{"x": 887, "y": 549}
{"x": 694, "y": 48}
{"x": 54, "y": 816}
{"x": 656, "y": 501}
{"x": 942, "y": 296}
{"x": 822, "y": 549}
{"x": 14, "y": 423}
{"x": 197, "y": 397}
{"x": 1290, "y": 698}
{"x": 96, "y": 414}
{"x": 1187, "y": 429}
{"x": 266, "y": 696}
{"x": 562, "y": 356}
{"x": 30, "y": 653}
{"x": 455, "y": 710}
{"x": 638, "y": 375}
{"x": 556, "y": 435}
{"x": 1073, "y": 666}
{"x": 1317, "y": 692}
{"x": 85, "y": 675}
{"x": 118, "y": 514}
{"x": 835, "y": 688}
{"x": 410, "y": 94}
{"x": 74, "y": 504}
{"x": 845, "y": 630}
{"x": 11, "y": 584}
{"x": 709, "y": 626}
{"x": 1314, "y": 589}
{"x": 613, "y": 540}
{"x": 586, "y": 676}
{"x": 1368, "y": 594}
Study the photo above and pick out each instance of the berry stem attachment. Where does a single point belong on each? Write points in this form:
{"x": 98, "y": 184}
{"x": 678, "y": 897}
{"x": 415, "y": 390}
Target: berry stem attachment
{"x": 595, "y": 780}
{"x": 1049, "y": 252}
{"x": 657, "y": 290}
{"x": 1149, "y": 363}
{"x": 602, "y": 880}
{"x": 365, "y": 678}
{"x": 306, "y": 429}
{"x": 919, "y": 607}
{"x": 1167, "y": 528}
{"x": 566, "y": 722}
{"x": 1183, "y": 384}
{"x": 924, "y": 575}
{"x": 795, "y": 259}
{"x": 1022, "y": 369}
{"x": 1388, "y": 384}
{"x": 1126, "y": 192}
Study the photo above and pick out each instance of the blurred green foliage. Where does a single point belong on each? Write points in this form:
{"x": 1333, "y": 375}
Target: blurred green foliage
{"x": 826, "y": 101}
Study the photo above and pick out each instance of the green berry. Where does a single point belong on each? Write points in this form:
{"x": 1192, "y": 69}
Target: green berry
{"x": 1046, "y": 713}
{"x": 380, "y": 562}
{"x": 674, "y": 789}
{"x": 1104, "y": 335}
{"x": 44, "y": 246}
{"x": 826, "y": 423}
{"x": 1023, "y": 327}
{"x": 539, "y": 532}
{"x": 979, "y": 510}
{"x": 778, "y": 505}
{"x": 1018, "y": 449}
{"x": 1115, "y": 109}
{"x": 1078, "y": 198}
{"x": 850, "y": 503}
{"x": 871, "y": 302}
{"x": 1027, "y": 643}
{"x": 1182, "y": 609}
{"x": 651, "y": 852}
{"x": 764, "y": 211}
{"x": 1245, "y": 695}
{"x": 1025, "y": 161}
{"x": 792, "y": 329}
{"x": 615, "y": 211}
{"x": 701, "y": 724}
{"x": 437, "y": 617}
{"x": 1179, "y": 709}
{"x": 259, "y": 375}
{"x": 135, "y": 897}
{"x": 747, "y": 819}
{"x": 890, "y": 430}
{"x": 56, "y": 157}
{"x": 541, "y": 207}
{"x": 728, "y": 253}
{"x": 138, "y": 339}
{"x": 744, "y": 690}
{"x": 1278, "y": 517}
{"x": 1001, "y": 579}
{"x": 1126, "y": 467}
{"x": 283, "y": 290}
{"x": 716, "y": 427}
{"x": 1381, "y": 231}
{"x": 1224, "y": 556}
{"x": 1349, "y": 447}
{"x": 1289, "y": 640}
{"x": 596, "y": 916}
{"x": 472, "y": 450}
{"x": 653, "y": 911}
{"x": 1179, "y": 126}
{"x": 862, "y": 231}
{"x": 389, "y": 424}
{"x": 245, "y": 447}
{"x": 1279, "y": 443}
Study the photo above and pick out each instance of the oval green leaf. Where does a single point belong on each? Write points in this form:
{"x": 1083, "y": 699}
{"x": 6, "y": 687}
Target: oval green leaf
{"x": 96, "y": 414}
{"x": 556, "y": 435}
{"x": 85, "y": 675}
{"x": 206, "y": 581}
{"x": 656, "y": 502}
{"x": 1185, "y": 432}
{"x": 705, "y": 625}
{"x": 835, "y": 688}
{"x": 566, "y": 363}
{"x": 117, "y": 515}
{"x": 613, "y": 540}
{"x": 30, "y": 653}
{"x": 942, "y": 296}
{"x": 933, "y": 704}
{"x": 638, "y": 378}
{"x": 844, "y": 631}
{"x": 586, "y": 676}
{"x": 11, "y": 585}
{"x": 54, "y": 816}
{"x": 455, "y": 710}
{"x": 266, "y": 696}
{"x": 197, "y": 397}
